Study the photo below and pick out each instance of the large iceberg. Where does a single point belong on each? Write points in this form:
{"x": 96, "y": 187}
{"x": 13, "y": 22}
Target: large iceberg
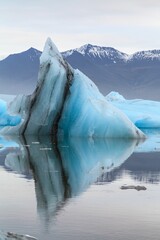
{"x": 143, "y": 113}
{"x": 67, "y": 103}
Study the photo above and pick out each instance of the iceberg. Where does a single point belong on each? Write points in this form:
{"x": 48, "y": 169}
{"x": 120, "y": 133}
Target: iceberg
{"x": 66, "y": 103}
{"x": 7, "y": 98}
{"x": 143, "y": 113}
{"x": 5, "y": 118}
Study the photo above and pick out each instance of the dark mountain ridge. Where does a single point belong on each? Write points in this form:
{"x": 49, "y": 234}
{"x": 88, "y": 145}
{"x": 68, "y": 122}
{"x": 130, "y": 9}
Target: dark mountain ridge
{"x": 19, "y": 72}
{"x": 134, "y": 76}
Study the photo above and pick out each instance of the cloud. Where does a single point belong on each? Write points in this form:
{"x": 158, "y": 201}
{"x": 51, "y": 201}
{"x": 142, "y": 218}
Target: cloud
{"x": 128, "y": 24}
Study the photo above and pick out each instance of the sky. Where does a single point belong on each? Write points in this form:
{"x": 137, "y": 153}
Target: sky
{"x": 127, "y": 25}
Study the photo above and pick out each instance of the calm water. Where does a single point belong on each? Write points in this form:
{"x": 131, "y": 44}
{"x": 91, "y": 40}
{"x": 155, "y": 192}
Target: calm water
{"x": 72, "y": 191}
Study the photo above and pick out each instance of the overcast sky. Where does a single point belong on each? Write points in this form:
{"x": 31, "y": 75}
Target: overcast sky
{"x": 128, "y": 25}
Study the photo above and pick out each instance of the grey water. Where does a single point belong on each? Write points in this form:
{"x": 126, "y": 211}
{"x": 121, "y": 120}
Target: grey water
{"x": 72, "y": 189}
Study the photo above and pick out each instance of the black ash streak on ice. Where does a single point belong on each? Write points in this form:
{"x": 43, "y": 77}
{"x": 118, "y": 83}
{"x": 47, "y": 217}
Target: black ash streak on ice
{"x": 69, "y": 76}
{"x": 54, "y": 125}
{"x": 42, "y": 111}
{"x": 34, "y": 97}
{"x": 45, "y": 157}
{"x": 54, "y": 129}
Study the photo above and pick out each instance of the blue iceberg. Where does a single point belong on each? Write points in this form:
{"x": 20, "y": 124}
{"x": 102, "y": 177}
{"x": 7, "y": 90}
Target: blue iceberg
{"x": 66, "y": 103}
{"x": 5, "y": 118}
{"x": 143, "y": 113}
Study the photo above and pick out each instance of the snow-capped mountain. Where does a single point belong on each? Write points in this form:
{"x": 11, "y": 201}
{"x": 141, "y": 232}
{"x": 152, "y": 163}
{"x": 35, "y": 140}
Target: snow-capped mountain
{"x": 112, "y": 55}
{"x": 134, "y": 76}
{"x": 96, "y": 53}
{"x": 150, "y": 55}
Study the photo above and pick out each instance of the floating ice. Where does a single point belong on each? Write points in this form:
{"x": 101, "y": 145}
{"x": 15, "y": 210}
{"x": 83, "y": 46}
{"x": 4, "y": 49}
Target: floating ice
{"x": 7, "y": 98}
{"x": 143, "y": 113}
{"x": 67, "y": 103}
{"x": 5, "y": 118}
{"x": 115, "y": 96}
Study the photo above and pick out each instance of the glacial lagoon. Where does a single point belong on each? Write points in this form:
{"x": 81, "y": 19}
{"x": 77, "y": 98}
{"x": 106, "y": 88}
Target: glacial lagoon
{"x": 72, "y": 189}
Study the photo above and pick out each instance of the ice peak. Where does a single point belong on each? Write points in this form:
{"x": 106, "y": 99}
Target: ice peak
{"x": 115, "y": 96}
{"x": 51, "y": 48}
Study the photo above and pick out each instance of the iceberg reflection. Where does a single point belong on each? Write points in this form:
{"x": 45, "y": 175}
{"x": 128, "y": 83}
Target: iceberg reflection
{"x": 65, "y": 169}
{"x": 143, "y": 165}
{"x": 152, "y": 143}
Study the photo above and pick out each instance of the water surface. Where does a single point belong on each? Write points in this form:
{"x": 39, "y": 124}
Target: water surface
{"x": 72, "y": 190}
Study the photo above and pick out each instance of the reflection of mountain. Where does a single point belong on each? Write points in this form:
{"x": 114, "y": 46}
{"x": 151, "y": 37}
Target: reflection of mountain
{"x": 67, "y": 169}
{"x": 143, "y": 167}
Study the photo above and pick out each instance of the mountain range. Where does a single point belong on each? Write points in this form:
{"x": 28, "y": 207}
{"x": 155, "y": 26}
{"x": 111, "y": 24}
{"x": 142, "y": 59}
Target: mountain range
{"x": 19, "y": 72}
{"x": 133, "y": 76}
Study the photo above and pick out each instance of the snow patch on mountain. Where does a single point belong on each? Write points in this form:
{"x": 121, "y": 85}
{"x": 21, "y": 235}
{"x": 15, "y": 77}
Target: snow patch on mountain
{"x": 145, "y": 55}
{"x": 94, "y": 51}
{"x": 113, "y": 54}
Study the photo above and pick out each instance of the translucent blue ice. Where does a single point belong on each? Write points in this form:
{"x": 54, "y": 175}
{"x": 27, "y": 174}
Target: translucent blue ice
{"x": 143, "y": 113}
{"x": 5, "y": 118}
{"x": 67, "y": 103}
{"x": 87, "y": 113}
